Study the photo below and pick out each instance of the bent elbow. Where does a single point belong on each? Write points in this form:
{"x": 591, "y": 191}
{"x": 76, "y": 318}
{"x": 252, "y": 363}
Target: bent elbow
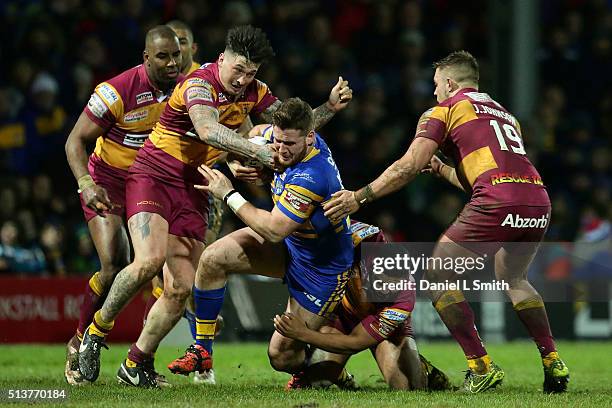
{"x": 274, "y": 237}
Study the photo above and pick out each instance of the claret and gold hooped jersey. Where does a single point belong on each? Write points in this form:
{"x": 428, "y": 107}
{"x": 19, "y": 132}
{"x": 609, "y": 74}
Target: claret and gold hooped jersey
{"x": 127, "y": 107}
{"x": 486, "y": 144}
{"x": 174, "y": 133}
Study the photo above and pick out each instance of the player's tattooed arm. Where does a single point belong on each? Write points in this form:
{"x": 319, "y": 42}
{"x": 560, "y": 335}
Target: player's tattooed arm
{"x": 321, "y": 115}
{"x": 205, "y": 120}
{"x": 266, "y": 115}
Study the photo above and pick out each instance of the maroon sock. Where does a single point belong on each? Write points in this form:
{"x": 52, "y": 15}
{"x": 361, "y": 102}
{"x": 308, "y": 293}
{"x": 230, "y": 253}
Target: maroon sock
{"x": 535, "y": 321}
{"x": 138, "y": 356}
{"x": 92, "y": 302}
{"x": 459, "y": 319}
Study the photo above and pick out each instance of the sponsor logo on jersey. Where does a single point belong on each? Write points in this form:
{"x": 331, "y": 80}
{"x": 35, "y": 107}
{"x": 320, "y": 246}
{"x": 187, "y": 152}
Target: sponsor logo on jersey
{"x": 97, "y": 106}
{"x": 500, "y": 178}
{"x": 134, "y": 140}
{"x": 516, "y": 221}
{"x": 135, "y": 116}
{"x": 202, "y": 92}
{"x": 108, "y": 94}
{"x": 144, "y": 97}
{"x": 395, "y": 315}
{"x": 303, "y": 176}
{"x": 297, "y": 201}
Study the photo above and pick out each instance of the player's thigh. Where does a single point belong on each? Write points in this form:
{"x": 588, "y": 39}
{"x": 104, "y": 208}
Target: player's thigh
{"x": 149, "y": 233}
{"x": 399, "y": 363}
{"x": 512, "y": 266}
{"x": 445, "y": 248}
{"x": 181, "y": 262}
{"x": 282, "y": 344}
{"x": 244, "y": 252}
{"x": 111, "y": 241}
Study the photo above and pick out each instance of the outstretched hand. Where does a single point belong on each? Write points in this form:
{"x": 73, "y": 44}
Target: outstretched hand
{"x": 341, "y": 204}
{"x": 218, "y": 184}
{"x": 340, "y": 95}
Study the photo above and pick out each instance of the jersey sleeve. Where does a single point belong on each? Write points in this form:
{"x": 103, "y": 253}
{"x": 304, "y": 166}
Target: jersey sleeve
{"x": 386, "y": 322}
{"x": 105, "y": 105}
{"x": 265, "y": 98}
{"x": 198, "y": 91}
{"x": 301, "y": 195}
{"x": 432, "y": 124}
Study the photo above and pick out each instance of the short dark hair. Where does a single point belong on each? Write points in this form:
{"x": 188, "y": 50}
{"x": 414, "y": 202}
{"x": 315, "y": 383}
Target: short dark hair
{"x": 463, "y": 65}
{"x": 294, "y": 113}
{"x": 160, "y": 31}
{"x": 250, "y": 42}
{"x": 179, "y": 25}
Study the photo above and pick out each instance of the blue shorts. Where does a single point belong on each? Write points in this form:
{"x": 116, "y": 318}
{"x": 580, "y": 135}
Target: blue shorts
{"x": 316, "y": 292}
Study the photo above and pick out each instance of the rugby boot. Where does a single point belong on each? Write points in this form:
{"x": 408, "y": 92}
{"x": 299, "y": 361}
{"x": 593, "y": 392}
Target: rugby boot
{"x": 196, "y": 359}
{"x": 298, "y": 381}
{"x": 71, "y": 369}
{"x": 346, "y": 381}
{"x": 475, "y": 383}
{"x": 137, "y": 375}
{"x": 556, "y": 374}
{"x": 89, "y": 356}
{"x": 436, "y": 379}
{"x": 206, "y": 377}
{"x": 159, "y": 378}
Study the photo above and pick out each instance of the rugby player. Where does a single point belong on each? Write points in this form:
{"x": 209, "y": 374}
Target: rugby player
{"x": 167, "y": 216}
{"x": 294, "y": 242}
{"x": 384, "y": 328}
{"x": 120, "y": 115}
{"x": 484, "y": 140}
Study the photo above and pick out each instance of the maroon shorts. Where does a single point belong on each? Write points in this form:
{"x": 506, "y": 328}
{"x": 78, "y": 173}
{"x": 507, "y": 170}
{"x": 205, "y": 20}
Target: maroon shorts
{"x": 112, "y": 180}
{"x": 495, "y": 227}
{"x": 151, "y": 189}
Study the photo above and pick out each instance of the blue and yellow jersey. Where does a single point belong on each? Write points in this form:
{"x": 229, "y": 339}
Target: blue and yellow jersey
{"x": 299, "y": 193}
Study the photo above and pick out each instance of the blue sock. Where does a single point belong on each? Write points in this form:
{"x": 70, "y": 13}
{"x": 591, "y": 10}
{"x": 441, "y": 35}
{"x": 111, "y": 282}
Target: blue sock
{"x": 208, "y": 305}
{"x": 190, "y": 317}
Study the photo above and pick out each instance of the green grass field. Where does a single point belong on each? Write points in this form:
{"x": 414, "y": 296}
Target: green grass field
{"x": 244, "y": 378}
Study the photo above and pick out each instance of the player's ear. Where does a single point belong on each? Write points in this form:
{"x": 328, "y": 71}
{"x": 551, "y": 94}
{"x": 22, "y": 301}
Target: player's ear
{"x": 145, "y": 57}
{"x": 221, "y": 58}
{"x": 194, "y": 48}
{"x": 310, "y": 137}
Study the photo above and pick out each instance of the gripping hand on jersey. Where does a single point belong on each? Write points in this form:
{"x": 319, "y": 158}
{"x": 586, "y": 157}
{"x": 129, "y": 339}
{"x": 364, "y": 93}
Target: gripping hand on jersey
{"x": 96, "y": 198}
{"x": 340, "y": 95}
{"x": 341, "y": 204}
{"x": 218, "y": 184}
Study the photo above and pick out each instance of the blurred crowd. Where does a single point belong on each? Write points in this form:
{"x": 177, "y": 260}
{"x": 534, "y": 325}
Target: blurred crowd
{"x": 56, "y": 51}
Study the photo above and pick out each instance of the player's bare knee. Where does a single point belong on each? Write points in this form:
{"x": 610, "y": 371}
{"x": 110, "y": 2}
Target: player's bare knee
{"x": 212, "y": 265}
{"x": 281, "y": 360}
{"x": 179, "y": 291}
{"x": 149, "y": 267}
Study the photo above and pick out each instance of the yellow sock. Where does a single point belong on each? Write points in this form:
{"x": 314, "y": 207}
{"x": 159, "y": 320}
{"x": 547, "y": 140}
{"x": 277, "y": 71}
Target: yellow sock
{"x": 550, "y": 358}
{"x": 480, "y": 365}
{"x": 99, "y": 327}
